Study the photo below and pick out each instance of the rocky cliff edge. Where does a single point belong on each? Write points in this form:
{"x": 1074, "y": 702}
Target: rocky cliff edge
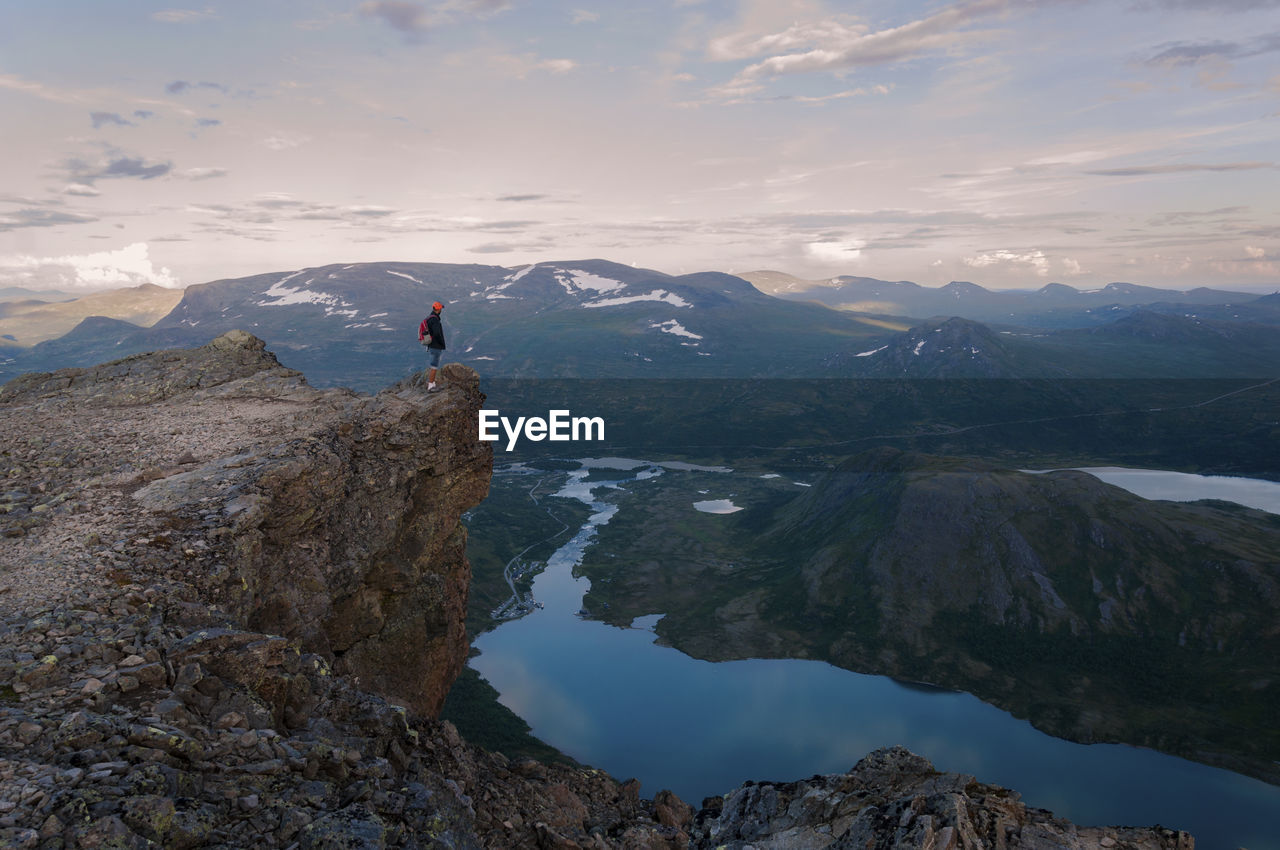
{"x": 230, "y": 604}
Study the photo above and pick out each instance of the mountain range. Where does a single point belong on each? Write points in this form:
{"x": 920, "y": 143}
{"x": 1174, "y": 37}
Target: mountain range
{"x": 28, "y": 321}
{"x": 356, "y": 324}
{"x": 1054, "y": 305}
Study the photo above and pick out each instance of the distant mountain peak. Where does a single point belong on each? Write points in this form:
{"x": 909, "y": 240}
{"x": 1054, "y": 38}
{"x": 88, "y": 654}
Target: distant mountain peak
{"x": 959, "y": 288}
{"x": 1057, "y": 289}
{"x": 946, "y": 348}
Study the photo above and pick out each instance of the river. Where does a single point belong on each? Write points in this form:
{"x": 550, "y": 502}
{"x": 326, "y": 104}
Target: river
{"x": 613, "y": 698}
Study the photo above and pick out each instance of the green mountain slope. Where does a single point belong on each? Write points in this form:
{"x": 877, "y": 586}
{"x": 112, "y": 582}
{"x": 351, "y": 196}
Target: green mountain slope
{"x": 1098, "y": 615}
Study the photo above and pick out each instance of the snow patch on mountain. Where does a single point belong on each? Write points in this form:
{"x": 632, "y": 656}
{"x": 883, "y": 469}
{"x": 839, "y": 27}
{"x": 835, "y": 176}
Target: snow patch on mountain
{"x": 654, "y": 295}
{"x": 671, "y": 326}
{"x": 405, "y": 276}
{"x": 575, "y": 280}
{"x": 871, "y": 352}
{"x": 286, "y": 296}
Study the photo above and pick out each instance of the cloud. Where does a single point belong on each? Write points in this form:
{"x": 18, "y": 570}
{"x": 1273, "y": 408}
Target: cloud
{"x": 1035, "y": 259}
{"x": 128, "y": 266}
{"x": 406, "y": 17}
{"x": 208, "y": 122}
{"x": 1183, "y": 53}
{"x": 414, "y": 18}
{"x": 556, "y": 66}
{"x": 368, "y": 210}
{"x": 180, "y": 86}
{"x": 285, "y": 141}
{"x": 1072, "y": 267}
{"x": 15, "y": 83}
{"x": 1255, "y": 253}
{"x": 183, "y": 16}
{"x": 100, "y": 119}
{"x": 583, "y": 16}
{"x": 82, "y": 189}
{"x": 511, "y": 247}
{"x": 1179, "y": 168}
{"x": 833, "y": 46}
{"x": 201, "y": 173}
{"x": 1210, "y": 5}
{"x": 520, "y": 198}
{"x": 835, "y": 250}
{"x": 114, "y": 167}
{"x": 37, "y": 217}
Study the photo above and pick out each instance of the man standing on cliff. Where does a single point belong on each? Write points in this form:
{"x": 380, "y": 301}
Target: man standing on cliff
{"x": 431, "y": 334}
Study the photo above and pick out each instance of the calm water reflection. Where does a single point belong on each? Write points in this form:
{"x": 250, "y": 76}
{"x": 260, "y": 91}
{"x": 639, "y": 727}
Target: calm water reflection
{"x": 614, "y": 699}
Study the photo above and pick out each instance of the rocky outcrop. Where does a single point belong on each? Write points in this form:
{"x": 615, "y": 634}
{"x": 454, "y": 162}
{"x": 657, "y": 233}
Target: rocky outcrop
{"x": 893, "y": 798}
{"x": 349, "y": 538}
{"x": 229, "y": 604}
{"x": 337, "y": 525}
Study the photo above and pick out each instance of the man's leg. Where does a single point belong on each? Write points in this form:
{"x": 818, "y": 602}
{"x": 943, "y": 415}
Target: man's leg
{"x": 433, "y": 357}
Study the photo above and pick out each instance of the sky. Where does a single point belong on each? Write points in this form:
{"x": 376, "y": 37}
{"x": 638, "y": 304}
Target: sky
{"x": 1012, "y": 143}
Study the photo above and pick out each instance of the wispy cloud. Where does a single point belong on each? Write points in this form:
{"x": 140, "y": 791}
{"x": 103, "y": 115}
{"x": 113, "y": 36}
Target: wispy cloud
{"x": 835, "y": 45}
{"x": 286, "y": 141}
{"x": 101, "y": 119}
{"x": 40, "y": 217}
{"x": 414, "y": 19}
{"x": 115, "y": 165}
{"x": 1179, "y": 168}
{"x": 180, "y": 86}
{"x": 40, "y": 90}
{"x": 201, "y": 173}
{"x": 1210, "y": 5}
{"x": 183, "y": 16}
{"x": 1183, "y": 53}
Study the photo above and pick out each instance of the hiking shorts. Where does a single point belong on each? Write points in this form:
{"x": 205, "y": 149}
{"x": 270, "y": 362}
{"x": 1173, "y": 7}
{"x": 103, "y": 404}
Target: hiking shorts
{"x": 433, "y": 357}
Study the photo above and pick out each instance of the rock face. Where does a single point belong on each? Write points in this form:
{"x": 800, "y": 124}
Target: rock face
{"x": 349, "y": 538}
{"x": 229, "y": 604}
{"x": 341, "y": 527}
{"x": 893, "y": 798}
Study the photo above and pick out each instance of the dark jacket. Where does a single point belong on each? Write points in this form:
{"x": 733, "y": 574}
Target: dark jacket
{"x": 431, "y": 325}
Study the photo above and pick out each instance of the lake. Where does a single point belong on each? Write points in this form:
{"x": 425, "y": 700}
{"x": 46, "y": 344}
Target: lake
{"x": 613, "y": 698}
{"x": 1187, "y": 486}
